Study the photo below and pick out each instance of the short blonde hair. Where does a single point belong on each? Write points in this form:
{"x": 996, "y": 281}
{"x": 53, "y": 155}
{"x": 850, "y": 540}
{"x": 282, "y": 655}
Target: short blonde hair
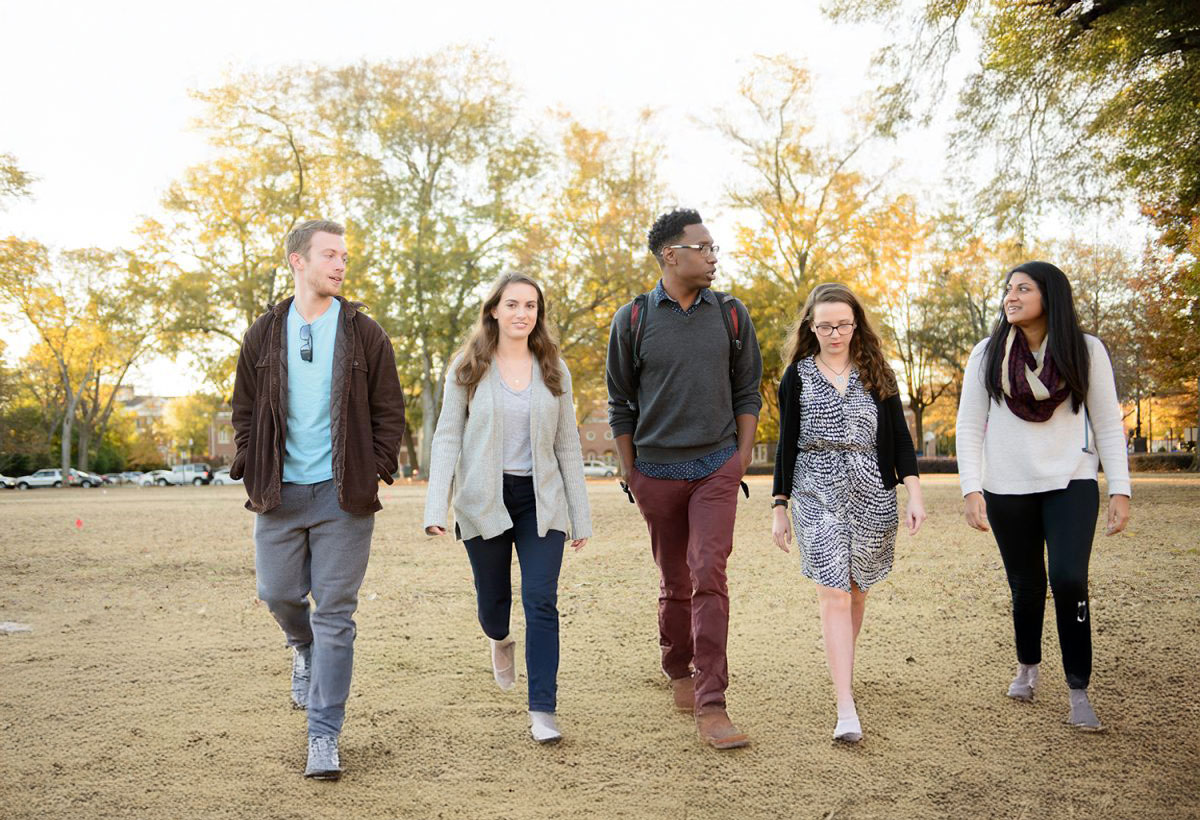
{"x": 299, "y": 238}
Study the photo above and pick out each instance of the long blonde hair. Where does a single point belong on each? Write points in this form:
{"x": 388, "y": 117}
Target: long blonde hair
{"x": 479, "y": 349}
{"x": 866, "y": 351}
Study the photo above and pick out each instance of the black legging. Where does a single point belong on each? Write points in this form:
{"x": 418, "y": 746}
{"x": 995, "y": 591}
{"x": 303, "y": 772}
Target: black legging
{"x": 1065, "y": 521}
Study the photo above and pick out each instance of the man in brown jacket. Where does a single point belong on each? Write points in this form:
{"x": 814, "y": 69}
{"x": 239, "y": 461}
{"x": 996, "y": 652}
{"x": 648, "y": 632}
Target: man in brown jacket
{"x": 318, "y": 415}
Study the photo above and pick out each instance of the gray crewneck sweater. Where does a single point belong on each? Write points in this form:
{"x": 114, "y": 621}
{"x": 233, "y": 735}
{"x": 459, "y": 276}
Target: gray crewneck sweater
{"x": 684, "y": 397}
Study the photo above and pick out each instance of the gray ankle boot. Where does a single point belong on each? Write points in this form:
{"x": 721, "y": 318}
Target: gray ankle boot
{"x": 1024, "y": 683}
{"x": 1083, "y": 716}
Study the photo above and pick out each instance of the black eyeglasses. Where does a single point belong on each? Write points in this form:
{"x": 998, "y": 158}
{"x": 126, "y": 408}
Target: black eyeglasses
{"x": 842, "y": 329}
{"x": 306, "y": 342}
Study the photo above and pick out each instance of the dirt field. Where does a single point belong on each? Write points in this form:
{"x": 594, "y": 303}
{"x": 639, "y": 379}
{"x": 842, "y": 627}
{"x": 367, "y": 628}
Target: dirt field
{"x": 153, "y": 684}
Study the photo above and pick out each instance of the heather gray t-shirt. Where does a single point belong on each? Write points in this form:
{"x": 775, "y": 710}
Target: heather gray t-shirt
{"x": 518, "y": 449}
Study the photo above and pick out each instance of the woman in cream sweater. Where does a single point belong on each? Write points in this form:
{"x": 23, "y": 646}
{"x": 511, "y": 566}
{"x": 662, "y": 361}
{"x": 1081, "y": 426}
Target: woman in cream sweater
{"x": 507, "y": 446}
{"x": 1038, "y": 415}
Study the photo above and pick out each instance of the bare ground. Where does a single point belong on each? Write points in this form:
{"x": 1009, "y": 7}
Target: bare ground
{"x": 154, "y": 685}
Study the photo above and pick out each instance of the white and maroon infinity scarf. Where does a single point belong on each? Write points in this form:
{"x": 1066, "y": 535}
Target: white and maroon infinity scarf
{"x": 1032, "y": 391}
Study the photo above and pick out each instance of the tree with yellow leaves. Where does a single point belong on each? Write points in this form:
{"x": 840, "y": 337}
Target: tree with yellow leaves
{"x": 221, "y": 230}
{"x": 810, "y": 214}
{"x": 437, "y": 175}
{"x": 586, "y": 243}
{"x": 95, "y": 314}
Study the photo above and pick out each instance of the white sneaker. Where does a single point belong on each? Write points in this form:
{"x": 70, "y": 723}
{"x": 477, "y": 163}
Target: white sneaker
{"x": 544, "y": 727}
{"x": 504, "y": 667}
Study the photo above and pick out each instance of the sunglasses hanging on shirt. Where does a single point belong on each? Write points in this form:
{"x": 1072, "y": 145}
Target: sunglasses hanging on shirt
{"x": 306, "y": 342}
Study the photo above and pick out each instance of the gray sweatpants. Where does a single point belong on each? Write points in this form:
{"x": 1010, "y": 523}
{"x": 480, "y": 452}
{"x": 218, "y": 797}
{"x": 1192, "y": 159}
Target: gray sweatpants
{"x": 309, "y": 544}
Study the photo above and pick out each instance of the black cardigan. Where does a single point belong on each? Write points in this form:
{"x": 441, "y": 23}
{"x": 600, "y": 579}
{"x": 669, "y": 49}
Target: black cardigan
{"x": 897, "y": 459}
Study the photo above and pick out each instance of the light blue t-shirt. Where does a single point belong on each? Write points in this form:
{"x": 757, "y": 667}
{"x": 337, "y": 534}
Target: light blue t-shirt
{"x": 308, "y": 451}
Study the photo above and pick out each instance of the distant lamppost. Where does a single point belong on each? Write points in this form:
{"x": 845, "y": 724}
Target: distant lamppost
{"x": 1150, "y": 423}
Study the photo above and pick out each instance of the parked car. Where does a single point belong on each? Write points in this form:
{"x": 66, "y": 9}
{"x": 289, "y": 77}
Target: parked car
{"x": 599, "y": 469}
{"x": 113, "y": 478}
{"x": 132, "y": 476}
{"x": 160, "y": 477}
{"x": 7, "y": 483}
{"x": 49, "y": 477}
{"x": 86, "y": 479}
{"x": 179, "y": 474}
{"x": 192, "y": 474}
{"x": 221, "y": 476}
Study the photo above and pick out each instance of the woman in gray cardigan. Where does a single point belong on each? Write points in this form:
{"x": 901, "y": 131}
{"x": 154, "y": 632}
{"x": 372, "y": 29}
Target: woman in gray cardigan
{"x": 507, "y": 447}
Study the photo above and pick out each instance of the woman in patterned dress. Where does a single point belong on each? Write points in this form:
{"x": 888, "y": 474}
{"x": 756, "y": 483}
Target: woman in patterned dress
{"x": 844, "y": 445}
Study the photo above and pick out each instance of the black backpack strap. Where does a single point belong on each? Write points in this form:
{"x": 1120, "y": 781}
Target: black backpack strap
{"x": 637, "y": 325}
{"x": 729, "y": 315}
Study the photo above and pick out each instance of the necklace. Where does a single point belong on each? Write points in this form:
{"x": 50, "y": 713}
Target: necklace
{"x": 840, "y": 381}
{"x": 510, "y": 371}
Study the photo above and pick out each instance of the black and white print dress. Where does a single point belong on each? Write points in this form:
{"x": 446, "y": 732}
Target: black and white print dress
{"x": 844, "y": 519}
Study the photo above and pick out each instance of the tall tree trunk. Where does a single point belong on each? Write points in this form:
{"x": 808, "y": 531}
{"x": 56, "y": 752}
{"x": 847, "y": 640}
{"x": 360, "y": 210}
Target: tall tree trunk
{"x": 68, "y": 421}
{"x": 428, "y": 420}
{"x": 68, "y": 424}
{"x": 918, "y": 410}
{"x": 85, "y": 440}
{"x": 410, "y": 448}
{"x": 1196, "y": 438}
{"x": 73, "y": 397}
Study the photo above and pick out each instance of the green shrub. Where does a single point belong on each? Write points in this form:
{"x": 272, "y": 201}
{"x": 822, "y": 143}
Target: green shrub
{"x": 1161, "y": 462}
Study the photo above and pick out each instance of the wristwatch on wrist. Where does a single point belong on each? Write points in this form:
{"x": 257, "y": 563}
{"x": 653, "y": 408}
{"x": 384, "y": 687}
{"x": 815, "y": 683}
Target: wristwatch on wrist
{"x": 779, "y": 502}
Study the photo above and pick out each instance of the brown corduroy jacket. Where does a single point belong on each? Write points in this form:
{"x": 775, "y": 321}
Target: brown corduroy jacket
{"x": 366, "y": 409}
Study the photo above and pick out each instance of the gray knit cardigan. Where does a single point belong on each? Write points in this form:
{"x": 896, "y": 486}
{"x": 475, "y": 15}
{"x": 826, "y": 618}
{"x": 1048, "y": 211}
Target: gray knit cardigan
{"x": 468, "y": 453}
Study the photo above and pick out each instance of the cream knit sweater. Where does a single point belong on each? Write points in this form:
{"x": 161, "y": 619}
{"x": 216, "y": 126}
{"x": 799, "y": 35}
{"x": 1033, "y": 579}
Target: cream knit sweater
{"x": 1002, "y": 453}
{"x": 468, "y": 455}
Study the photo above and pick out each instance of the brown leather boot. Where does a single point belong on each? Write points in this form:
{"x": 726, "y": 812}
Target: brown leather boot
{"x": 684, "y": 691}
{"x": 717, "y": 730}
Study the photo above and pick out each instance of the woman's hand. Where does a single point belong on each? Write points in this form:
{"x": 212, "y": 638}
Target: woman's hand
{"x": 781, "y": 528}
{"x": 975, "y": 511}
{"x": 435, "y": 530}
{"x": 1118, "y": 514}
{"x": 914, "y": 513}
{"x": 578, "y": 544}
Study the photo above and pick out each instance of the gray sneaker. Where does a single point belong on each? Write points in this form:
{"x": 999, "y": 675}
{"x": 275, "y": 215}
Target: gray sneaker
{"x": 323, "y": 761}
{"x": 301, "y": 671}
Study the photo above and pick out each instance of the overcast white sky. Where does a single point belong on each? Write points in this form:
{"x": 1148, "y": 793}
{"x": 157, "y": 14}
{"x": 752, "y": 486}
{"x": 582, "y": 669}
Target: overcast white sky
{"x": 95, "y": 100}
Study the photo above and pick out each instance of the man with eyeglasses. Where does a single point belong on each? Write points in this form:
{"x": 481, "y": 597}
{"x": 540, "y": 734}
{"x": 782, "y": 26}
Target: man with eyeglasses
{"x": 318, "y": 415}
{"x": 683, "y": 375}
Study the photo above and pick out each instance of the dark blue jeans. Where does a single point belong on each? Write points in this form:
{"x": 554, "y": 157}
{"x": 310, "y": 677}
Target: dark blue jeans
{"x": 541, "y": 559}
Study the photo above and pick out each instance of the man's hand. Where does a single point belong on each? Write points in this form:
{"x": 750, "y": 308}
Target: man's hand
{"x": 747, "y": 457}
{"x": 625, "y": 455}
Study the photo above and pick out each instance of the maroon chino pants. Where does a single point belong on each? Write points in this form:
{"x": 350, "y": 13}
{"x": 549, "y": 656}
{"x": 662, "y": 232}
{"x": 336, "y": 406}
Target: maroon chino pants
{"x": 691, "y": 536}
